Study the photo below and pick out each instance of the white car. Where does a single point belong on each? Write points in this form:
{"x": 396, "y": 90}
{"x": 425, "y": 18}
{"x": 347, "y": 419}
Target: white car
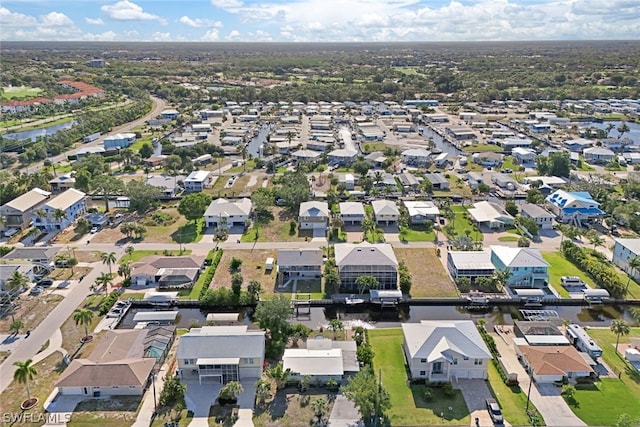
{"x": 94, "y": 230}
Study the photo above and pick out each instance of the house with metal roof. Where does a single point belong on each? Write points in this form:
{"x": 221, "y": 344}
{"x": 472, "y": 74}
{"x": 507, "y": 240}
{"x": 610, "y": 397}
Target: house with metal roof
{"x": 63, "y": 182}
{"x": 470, "y": 264}
{"x": 490, "y": 214}
{"x": 18, "y": 212}
{"x": 438, "y": 181}
{"x": 352, "y": 213}
{"x": 421, "y": 211}
{"x": 303, "y": 262}
{"x": 541, "y": 216}
{"x": 623, "y": 251}
{"x": 197, "y": 181}
{"x": 72, "y": 203}
{"x": 527, "y": 266}
{"x": 440, "y": 350}
{"x": 228, "y": 213}
{"x": 598, "y": 155}
{"x": 576, "y": 207}
{"x": 322, "y": 359}
{"x": 366, "y": 259}
{"x": 313, "y": 215}
{"x": 221, "y": 354}
{"x": 385, "y": 212}
{"x": 416, "y": 157}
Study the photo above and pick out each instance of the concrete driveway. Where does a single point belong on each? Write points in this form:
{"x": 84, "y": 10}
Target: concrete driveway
{"x": 344, "y": 413}
{"x": 475, "y": 392}
{"x": 199, "y": 398}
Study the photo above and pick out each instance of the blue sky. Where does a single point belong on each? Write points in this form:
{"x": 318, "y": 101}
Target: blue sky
{"x": 319, "y": 20}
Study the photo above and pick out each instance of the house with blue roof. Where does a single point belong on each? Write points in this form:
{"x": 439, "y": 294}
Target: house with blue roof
{"x": 575, "y": 207}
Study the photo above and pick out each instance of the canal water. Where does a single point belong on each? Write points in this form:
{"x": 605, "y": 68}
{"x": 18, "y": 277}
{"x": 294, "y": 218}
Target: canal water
{"x": 633, "y": 134}
{"x": 253, "y": 148}
{"x": 387, "y": 318}
{"x": 35, "y": 133}
{"x": 439, "y": 141}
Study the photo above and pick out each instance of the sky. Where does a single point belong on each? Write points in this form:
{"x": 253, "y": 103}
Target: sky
{"x": 319, "y": 20}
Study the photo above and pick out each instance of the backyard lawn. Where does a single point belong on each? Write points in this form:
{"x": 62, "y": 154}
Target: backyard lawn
{"x": 562, "y": 267}
{"x": 429, "y": 278}
{"x": 463, "y": 222}
{"x": 417, "y": 233}
{"x": 408, "y": 406}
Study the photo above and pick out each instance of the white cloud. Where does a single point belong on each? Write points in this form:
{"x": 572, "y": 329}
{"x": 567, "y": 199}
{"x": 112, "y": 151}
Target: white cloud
{"x": 128, "y": 11}
{"x": 56, "y": 19}
{"x": 211, "y": 36}
{"x": 52, "y": 26}
{"x": 227, "y": 4}
{"x": 234, "y": 35}
{"x": 10, "y": 19}
{"x": 107, "y": 36}
{"x": 161, "y": 37}
{"x": 200, "y": 22}
{"x": 94, "y": 21}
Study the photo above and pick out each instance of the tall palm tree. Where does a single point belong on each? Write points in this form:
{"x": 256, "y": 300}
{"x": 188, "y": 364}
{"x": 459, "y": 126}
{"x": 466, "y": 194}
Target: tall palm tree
{"x": 129, "y": 250}
{"x": 83, "y": 316}
{"x": 25, "y": 372}
{"x": 17, "y": 281}
{"x": 368, "y": 227}
{"x": 633, "y": 264}
{"x": 59, "y": 215}
{"x": 501, "y": 278}
{"x": 108, "y": 258}
{"x": 124, "y": 269}
{"x": 104, "y": 280}
{"x": 619, "y": 327}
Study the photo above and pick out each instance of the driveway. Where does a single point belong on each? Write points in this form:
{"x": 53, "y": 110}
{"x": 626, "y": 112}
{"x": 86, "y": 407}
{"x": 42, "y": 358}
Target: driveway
{"x": 475, "y": 392}
{"x": 199, "y": 398}
{"x": 344, "y": 413}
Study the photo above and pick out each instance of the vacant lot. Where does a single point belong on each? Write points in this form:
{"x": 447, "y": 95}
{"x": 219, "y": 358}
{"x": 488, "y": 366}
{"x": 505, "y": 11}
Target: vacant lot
{"x": 276, "y": 230}
{"x": 408, "y": 406}
{"x": 115, "y": 411}
{"x": 31, "y": 310}
{"x": 291, "y": 408}
{"x": 429, "y": 277}
{"x": 252, "y": 268}
{"x": 87, "y": 256}
{"x": 19, "y": 92}
{"x": 561, "y": 267}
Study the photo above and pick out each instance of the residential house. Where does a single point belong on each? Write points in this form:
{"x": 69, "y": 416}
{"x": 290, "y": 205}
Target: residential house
{"x": 470, "y": 264}
{"x": 169, "y": 114}
{"x": 474, "y": 179}
{"x": 524, "y": 155}
{"x": 221, "y": 354}
{"x": 385, "y": 212}
{"x": 526, "y": 265}
{"x": 421, "y": 211}
{"x": 598, "y": 155}
{"x": 575, "y": 207}
{"x": 313, "y": 215}
{"x": 168, "y": 185}
{"x": 504, "y": 182}
{"x": 303, "y": 262}
{"x": 375, "y": 159}
{"x": 409, "y": 181}
{"x": 460, "y": 133}
{"x": 539, "y": 332}
{"x": 72, "y": 203}
{"x": 63, "y": 182}
{"x": 322, "y": 360}
{"x": 342, "y": 156}
{"x": 377, "y": 260}
{"x": 349, "y": 181}
{"x": 549, "y": 363}
{"x": 438, "y": 181}
{"x": 510, "y": 144}
{"x": 7, "y": 270}
{"x": 578, "y": 145}
{"x": 197, "y": 181}
{"x": 42, "y": 256}
{"x": 443, "y": 351}
{"x": 120, "y": 140}
{"x": 352, "y": 213}
{"x": 116, "y": 367}
{"x": 617, "y": 144}
{"x": 18, "y": 213}
{"x": 167, "y": 271}
{"x": 416, "y": 157}
{"x": 228, "y": 213}
{"x": 488, "y": 159}
{"x": 490, "y": 214}
{"x": 540, "y": 215}
{"x": 554, "y": 182}
{"x": 305, "y": 155}
{"x": 623, "y": 251}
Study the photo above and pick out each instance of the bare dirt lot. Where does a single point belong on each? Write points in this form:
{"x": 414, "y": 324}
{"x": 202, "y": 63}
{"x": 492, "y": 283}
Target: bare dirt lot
{"x": 31, "y": 310}
{"x": 429, "y": 277}
{"x": 252, "y": 268}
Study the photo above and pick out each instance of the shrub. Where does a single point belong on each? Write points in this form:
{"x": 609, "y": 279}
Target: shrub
{"x": 108, "y": 302}
{"x": 207, "y": 277}
{"x": 428, "y": 396}
{"x": 235, "y": 263}
{"x": 447, "y": 390}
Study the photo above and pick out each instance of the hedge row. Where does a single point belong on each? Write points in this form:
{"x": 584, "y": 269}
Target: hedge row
{"x": 215, "y": 257}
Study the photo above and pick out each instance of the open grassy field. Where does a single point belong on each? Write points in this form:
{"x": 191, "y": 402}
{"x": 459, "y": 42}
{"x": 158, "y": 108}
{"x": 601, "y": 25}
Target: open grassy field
{"x": 408, "y": 406}
{"x": 462, "y": 222}
{"x": 139, "y": 254}
{"x": 562, "y": 267}
{"x": 252, "y": 268}
{"x": 513, "y": 400}
{"x": 277, "y": 230}
{"x": 428, "y": 276}
{"x": 482, "y": 148}
{"x": 417, "y": 233}
{"x": 19, "y": 92}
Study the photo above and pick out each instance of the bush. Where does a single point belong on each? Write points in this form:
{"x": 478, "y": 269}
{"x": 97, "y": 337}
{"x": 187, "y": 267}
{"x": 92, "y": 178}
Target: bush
{"x": 235, "y": 264}
{"x": 213, "y": 260}
{"x": 108, "y": 302}
{"x": 428, "y": 395}
{"x": 448, "y": 390}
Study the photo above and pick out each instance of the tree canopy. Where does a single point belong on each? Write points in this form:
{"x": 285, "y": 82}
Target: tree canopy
{"x": 193, "y": 206}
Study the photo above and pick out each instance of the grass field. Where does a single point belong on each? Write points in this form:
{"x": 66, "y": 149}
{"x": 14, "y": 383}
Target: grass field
{"x": 603, "y": 402}
{"x": 19, "y": 92}
{"x": 429, "y": 278}
{"x": 462, "y": 223}
{"x": 252, "y": 268}
{"x": 513, "y": 400}
{"x": 482, "y": 148}
{"x": 408, "y": 406}
{"x": 138, "y": 255}
{"x": 414, "y": 233}
{"x": 561, "y": 267}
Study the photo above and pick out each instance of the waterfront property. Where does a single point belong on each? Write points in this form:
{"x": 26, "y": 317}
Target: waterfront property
{"x": 576, "y": 207}
{"x": 377, "y": 260}
{"x": 470, "y": 264}
{"x": 303, "y": 262}
{"x": 167, "y": 271}
{"x": 421, "y": 211}
{"x": 623, "y": 251}
{"x": 490, "y": 214}
{"x": 553, "y": 363}
{"x": 322, "y": 360}
{"x": 526, "y": 266}
{"x": 60, "y": 212}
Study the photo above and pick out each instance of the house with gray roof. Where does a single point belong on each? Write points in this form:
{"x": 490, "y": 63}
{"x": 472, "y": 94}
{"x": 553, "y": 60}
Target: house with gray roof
{"x": 168, "y": 185}
{"x": 416, "y": 157}
{"x": 352, "y": 213}
{"x": 43, "y": 255}
{"x": 541, "y": 216}
{"x": 72, "y": 203}
{"x": 167, "y": 271}
{"x": 313, "y": 215}
{"x": 385, "y": 212}
{"x": 443, "y": 350}
{"x": 366, "y": 259}
{"x": 322, "y": 359}
{"x": 438, "y": 181}
{"x": 18, "y": 212}
{"x": 303, "y": 262}
{"x": 63, "y": 182}
{"x": 470, "y": 264}
{"x": 598, "y": 155}
{"x": 221, "y": 354}
{"x": 527, "y": 267}
{"x": 228, "y": 213}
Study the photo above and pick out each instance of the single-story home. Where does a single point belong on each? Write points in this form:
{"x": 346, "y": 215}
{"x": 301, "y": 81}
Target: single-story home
{"x": 598, "y": 155}
{"x": 490, "y": 214}
{"x": 421, "y": 211}
{"x": 167, "y": 271}
{"x": 438, "y": 181}
{"x": 553, "y": 363}
{"x": 322, "y": 360}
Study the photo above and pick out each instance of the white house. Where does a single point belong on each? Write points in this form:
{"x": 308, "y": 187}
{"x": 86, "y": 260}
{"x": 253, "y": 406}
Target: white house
{"x": 385, "y": 212}
{"x": 490, "y": 214}
{"x": 18, "y": 212}
{"x": 313, "y": 215}
{"x": 303, "y": 262}
{"x": 197, "y": 181}
{"x": 323, "y": 359}
{"x": 352, "y": 213}
{"x": 220, "y": 354}
{"x": 524, "y": 155}
{"x": 71, "y": 203}
{"x": 442, "y": 351}
{"x": 623, "y": 251}
{"x": 226, "y": 213}
{"x": 541, "y": 216}
{"x": 120, "y": 140}
{"x": 470, "y": 264}
{"x": 416, "y": 156}
{"x": 421, "y": 211}
{"x": 598, "y": 155}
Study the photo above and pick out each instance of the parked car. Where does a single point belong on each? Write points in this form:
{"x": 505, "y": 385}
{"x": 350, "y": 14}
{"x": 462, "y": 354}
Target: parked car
{"x": 36, "y": 290}
{"x": 94, "y": 230}
{"x": 494, "y": 411}
{"x": 46, "y": 282}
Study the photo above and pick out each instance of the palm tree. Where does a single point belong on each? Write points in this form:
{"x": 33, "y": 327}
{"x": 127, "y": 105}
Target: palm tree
{"x": 619, "y": 327}
{"x": 17, "y": 281}
{"x": 368, "y": 227}
{"x": 104, "y": 280}
{"x": 108, "y": 258}
{"x": 366, "y": 283}
{"x": 279, "y": 375}
{"x": 320, "y": 407}
{"x": 15, "y": 326}
{"x": 622, "y": 129}
{"x": 501, "y": 278}
{"x": 129, "y": 250}
{"x": 83, "y": 316}
{"x": 263, "y": 391}
{"x": 124, "y": 269}
{"x": 230, "y": 391}
{"x": 633, "y": 264}
{"x": 25, "y": 372}
{"x": 59, "y": 215}
{"x": 336, "y": 325}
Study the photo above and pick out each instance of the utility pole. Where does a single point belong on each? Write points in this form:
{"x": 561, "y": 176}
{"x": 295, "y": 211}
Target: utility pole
{"x": 155, "y": 403}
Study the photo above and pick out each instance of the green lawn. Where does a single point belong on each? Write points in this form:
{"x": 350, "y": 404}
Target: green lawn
{"x": 482, "y": 148}
{"x": 19, "y": 92}
{"x": 408, "y": 406}
{"x": 416, "y": 233}
{"x": 508, "y": 163}
{"x": 561, "y": 267}
{"x": 461, "y": 223}
{"x": 602, "y": 403}
{"x": 512, "y": 400}
{"x": 508, "y": 239}
{"x": 138, "y": 255}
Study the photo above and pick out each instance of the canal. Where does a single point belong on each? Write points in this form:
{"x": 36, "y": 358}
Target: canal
{"x": 33, "y": 134}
